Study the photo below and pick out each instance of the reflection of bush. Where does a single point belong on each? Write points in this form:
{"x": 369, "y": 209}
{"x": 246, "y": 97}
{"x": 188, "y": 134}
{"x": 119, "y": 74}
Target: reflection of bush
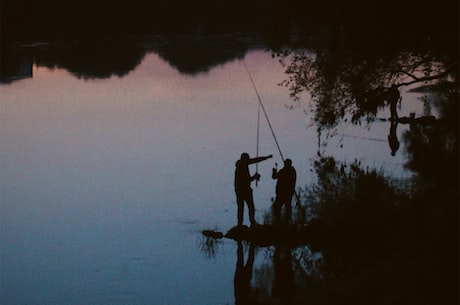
{"x": 358, "y": 202}
{"x": 380, "y": 245}
{"x": 209, "y": 243}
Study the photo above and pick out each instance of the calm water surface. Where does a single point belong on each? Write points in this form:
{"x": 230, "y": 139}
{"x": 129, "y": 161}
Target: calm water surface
{"x": 107, "y": 184}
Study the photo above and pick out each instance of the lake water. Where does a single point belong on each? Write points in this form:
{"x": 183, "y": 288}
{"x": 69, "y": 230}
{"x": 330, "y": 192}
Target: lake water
{"x": 107, "y": 184}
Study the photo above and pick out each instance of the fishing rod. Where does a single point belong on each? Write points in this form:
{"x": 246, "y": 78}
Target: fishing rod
{"x": 257, "y": 145}
{"x": 261, "y": 105}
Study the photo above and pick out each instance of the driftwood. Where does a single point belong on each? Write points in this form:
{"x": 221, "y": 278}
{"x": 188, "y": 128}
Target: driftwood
{"x": 267, "y": 235}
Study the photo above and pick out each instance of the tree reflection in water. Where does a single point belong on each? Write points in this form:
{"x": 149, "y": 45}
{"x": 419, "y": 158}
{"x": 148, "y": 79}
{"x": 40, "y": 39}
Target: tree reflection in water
{"x": 369, "y": 238}
{"x": 383, "y": 240}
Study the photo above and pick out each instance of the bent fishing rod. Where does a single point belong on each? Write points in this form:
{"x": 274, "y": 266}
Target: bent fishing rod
{"x": 261, "y": 105}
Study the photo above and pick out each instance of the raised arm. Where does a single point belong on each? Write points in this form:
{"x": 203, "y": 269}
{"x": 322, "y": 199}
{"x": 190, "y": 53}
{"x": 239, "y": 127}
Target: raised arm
{"x": 259, "y": 159}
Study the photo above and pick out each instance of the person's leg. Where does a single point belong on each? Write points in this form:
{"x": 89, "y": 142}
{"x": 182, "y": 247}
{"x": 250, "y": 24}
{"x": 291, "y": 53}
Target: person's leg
{"x": 252, "y": 212}
{"x": 240, "y": 204}
{"x": 288, "y": 205}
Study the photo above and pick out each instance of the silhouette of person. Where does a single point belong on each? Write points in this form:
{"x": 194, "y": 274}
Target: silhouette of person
{"x": 393, "y": 96}
{"x": 285, "y": 187}
{"x": 243, "y": 188}
{"x": 393, "y": 137}
{"x": 243, "y": 275}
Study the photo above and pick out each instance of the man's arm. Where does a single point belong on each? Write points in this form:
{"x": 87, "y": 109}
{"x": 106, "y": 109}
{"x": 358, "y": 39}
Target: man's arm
{"x": 255, "y": 177}
{"x": 259, "y": 159}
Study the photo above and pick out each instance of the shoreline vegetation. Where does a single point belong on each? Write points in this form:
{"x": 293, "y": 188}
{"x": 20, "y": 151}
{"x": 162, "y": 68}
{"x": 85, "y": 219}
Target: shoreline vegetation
{"x": 367, "y": 233}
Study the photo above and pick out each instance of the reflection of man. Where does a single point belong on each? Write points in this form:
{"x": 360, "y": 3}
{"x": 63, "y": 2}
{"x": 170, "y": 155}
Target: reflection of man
{"x": 243, "y": 188}
{"x": 243, "y": 275}
{"x": 393, "y": 138}
{"x": 393, "y": 97}
{"x": 285, "y": 188}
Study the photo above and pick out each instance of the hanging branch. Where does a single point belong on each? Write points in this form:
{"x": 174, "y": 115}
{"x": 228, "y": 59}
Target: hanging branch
{"x": 427, "y": 78}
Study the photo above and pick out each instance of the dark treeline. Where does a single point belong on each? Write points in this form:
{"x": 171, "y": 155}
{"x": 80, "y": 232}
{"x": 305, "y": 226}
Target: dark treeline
{"x": 103, "y": 38}
{"x": 103, "y": 57}
{"x": 52, "y": 19}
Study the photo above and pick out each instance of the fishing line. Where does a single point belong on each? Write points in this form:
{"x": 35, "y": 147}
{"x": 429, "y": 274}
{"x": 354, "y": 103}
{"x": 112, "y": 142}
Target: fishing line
{"x": 257, "y": 145}
{"x": 261, "y": 105}
{"x": 265, "y": 113}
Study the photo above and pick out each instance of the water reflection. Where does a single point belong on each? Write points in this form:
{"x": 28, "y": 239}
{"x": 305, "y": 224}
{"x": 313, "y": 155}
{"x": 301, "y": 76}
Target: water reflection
{"x": 267, "y": 287}
{"x": 284, "y": 285}
{"x": 378, "y": 238}
{"x": 209, "y": 243}
{"x": 355, "y": 85}
{"x": 96, "y": 172}
{"x": 393, "y": 137}
{"x": 14, "y": 66}
{"x": 370, "y": 240}
{"x": 437, "y": 141}
{"x": 107, "y": 56}
{"x": 243, "y": 275}
{"x": 87, "y": 179}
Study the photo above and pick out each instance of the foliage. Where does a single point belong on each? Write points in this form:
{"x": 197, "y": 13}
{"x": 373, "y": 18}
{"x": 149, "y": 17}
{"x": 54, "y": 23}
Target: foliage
{"x": 353, "y": 201}
{"x": 348, "y": 85}
{"x": 355, "y": 51}
{"x": 382, "y": 244}
{"x": 432, "y": 150}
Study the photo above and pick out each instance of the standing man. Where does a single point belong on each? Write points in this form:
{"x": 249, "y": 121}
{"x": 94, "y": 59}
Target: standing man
{"x": 243, "y": 188}
{"x": 285, "y": 188}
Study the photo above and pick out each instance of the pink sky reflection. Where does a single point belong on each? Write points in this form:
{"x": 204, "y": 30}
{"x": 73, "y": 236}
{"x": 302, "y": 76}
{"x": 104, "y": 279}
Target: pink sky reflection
{"x": 157, "y": 137}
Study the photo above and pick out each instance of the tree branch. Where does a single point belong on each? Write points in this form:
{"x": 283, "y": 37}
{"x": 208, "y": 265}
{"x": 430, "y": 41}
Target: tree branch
{"x": 427, "y": 78}
{"x": 409, "y": 74}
